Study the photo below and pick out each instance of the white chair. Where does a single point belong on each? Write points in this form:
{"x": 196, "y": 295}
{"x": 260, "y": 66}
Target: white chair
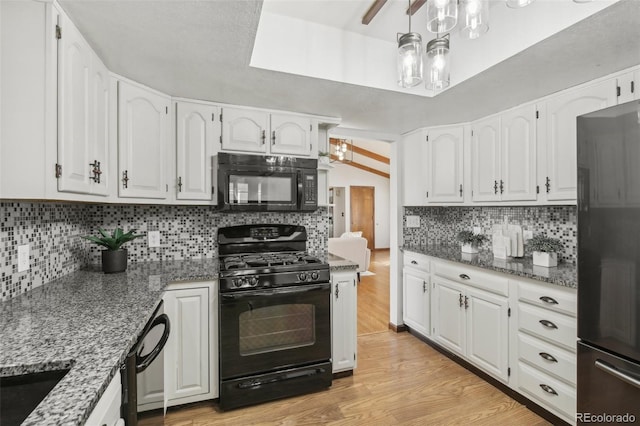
{"x": 353, "y": 248}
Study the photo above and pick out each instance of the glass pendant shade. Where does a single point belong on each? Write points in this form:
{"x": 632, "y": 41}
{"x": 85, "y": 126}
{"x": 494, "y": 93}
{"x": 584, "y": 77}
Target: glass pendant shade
{"x": 518, "y": 3}
{"x": 442, "y": 15}
{"x": 438, "y": 64}
{"x": 475, "y": 18}
{"x": 410, "y": 68}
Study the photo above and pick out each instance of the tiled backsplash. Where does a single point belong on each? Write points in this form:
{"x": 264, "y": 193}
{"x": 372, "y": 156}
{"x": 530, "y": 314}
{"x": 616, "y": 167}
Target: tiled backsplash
{"x": 53, "y": 232}
{"x": 440, "y": 225}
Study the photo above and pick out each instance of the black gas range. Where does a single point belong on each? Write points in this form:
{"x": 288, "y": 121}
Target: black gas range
{"x": 275, "y": 315}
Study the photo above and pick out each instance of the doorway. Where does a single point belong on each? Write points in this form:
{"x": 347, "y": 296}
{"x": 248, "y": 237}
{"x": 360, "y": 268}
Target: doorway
{"x": 337, "y": 203}
{"x": 362, "y": 203}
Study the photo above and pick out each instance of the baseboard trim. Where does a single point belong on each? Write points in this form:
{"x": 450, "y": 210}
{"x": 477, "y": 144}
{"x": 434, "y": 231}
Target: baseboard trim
{"x": 398, "y": 328}
{"x": 541, "y": 411}
{"x": 342, "y": 374}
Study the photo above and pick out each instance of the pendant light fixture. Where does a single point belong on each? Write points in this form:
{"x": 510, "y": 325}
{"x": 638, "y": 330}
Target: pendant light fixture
{"x": 475, "y": 18}
{"x": 438, "y": 63}
{"x": 410, "y": 66}
{"x": 341, "y": 148}
{"x": 442, "y": 15}
{"x": 518, "y": 3}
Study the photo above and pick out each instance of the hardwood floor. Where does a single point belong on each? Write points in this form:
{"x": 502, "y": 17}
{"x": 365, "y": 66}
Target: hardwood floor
{"x": 399, "y": 381}
{"x": 373, "y": 295}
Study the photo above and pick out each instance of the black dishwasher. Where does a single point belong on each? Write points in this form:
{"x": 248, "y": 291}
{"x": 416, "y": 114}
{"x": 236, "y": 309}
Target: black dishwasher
{"x": 136, "y": 363}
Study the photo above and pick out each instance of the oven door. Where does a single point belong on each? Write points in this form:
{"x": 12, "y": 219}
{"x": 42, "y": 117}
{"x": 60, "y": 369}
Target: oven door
{"x": 267, "y": 330}
{"x": 259, "y": 190}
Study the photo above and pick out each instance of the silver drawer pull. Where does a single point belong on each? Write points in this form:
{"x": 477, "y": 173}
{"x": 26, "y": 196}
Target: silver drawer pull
{"x": 548, "y": 389}
{"x": 464, "y": 276}
{"x": 549, "y": 300}
{"x": 548, "y": 324}
{"x": 413, "y": 262}
{"x": 548, "y": 357}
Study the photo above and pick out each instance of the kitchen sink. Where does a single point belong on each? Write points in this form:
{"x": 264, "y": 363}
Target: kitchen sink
{"x": 20, "y": 395}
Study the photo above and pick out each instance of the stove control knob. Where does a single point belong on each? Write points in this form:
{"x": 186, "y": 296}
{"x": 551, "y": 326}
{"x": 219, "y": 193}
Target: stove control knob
{"x": 237, "y": 282}
{"x": 302, "y": 277}
{"x": 314, "y": 275}
{"x": 253, "y": 281}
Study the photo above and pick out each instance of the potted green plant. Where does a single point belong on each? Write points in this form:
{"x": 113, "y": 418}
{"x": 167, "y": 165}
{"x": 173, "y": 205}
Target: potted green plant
{"x": 323, "y": 157}
{"x": 114, "y": 258}
{"x": 470, "y": 241}
{"x": 545, "y": 250}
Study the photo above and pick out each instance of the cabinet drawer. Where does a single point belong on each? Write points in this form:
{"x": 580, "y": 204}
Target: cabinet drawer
{"x": 549, "y": 298}
{"x": 473, "y": 277}
{"x": 547, "y": 390}
{"x": 547, "y": 357}
{"x": 416, "y": 261}
{"x": 551, "y": 326}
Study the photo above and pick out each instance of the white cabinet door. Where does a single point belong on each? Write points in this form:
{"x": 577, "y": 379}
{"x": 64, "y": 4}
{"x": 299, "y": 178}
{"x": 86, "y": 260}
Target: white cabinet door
{"x": 195, "y": 138}
{"x": 487, "y": 332}
{"x": 560, "y": 135}
{"x": 244, "y": 130}
{"x": 143, "y": 132}
{"x": 416, "y": 301}
{"x": 518, "y": 154}
{"x": 290, "y": 135}
{"x": 445, "y": 166}
{"x": 189, "y": 342}
{"x": 449, "y": 315}
{"x": 485, "y": 157}
{"x": 74, "y": 135}
{"x": 414, "y": 173}
{"x": 343, "y": 320}
{"x": 99, "y": 127}
{"x": 628, "y": 87}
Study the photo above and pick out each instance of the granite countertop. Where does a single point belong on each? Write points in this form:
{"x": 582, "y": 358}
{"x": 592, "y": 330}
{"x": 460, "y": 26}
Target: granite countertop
{"x": 564, "y": 274}
{"x": 337, "y": 263}
{"x": 87, "y": 321}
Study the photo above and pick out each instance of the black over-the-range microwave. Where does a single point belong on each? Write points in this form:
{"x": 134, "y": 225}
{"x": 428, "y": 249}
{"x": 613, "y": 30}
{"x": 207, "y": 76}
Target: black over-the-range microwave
{"x": 247, "y": 182}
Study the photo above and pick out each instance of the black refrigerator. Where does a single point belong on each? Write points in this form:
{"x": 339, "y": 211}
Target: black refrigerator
{"x": 609, "y": 265}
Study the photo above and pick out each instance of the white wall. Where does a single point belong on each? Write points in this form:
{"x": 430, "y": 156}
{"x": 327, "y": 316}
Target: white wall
{"x": 345, "y": 175}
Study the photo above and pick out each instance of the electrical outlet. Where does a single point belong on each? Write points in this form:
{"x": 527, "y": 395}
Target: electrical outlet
{"x": 477, "y": 230}
{"x": 154, "y": 238}
{"x": 413, "y": 221}
{"x": 23, "y": 257}
{"x": 527, "y": 235}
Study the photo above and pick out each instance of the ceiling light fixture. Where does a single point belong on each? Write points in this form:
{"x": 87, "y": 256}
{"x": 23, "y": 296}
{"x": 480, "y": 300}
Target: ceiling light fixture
{"x": 341, "y": 149}
{"x": 475, "y": 18}
{"x": 518, "y": 3}
{"x": 442, "y": 15}
{"x": 438, "y": 63}
{"x": 410, "y": 66}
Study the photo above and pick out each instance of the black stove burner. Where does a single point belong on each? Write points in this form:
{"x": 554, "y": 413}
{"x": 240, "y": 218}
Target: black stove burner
{"x": 261, "y": 260}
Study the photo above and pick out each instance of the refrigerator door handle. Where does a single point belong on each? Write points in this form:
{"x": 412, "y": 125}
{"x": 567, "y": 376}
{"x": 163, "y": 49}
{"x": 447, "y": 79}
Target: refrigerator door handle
{"x": 626, "y": 377}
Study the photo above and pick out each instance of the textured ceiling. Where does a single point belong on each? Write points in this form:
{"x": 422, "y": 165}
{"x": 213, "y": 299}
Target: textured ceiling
{"x": 201, "y": 50}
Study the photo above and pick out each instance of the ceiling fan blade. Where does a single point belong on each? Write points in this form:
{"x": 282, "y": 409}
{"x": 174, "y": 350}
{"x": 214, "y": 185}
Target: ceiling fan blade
{"x": 373, "y": 11}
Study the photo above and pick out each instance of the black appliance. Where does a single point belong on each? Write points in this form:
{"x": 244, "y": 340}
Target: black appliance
{"x": 275, "y": 315}
{"x": 136, "y": 363}
{"x": 265, "y": 183}
{"x": 609, "y": 265}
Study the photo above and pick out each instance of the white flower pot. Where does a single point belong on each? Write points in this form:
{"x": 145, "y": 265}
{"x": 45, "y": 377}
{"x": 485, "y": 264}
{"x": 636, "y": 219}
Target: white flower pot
{"x": 323, "y": 159}
{"x": 548, "y": 260}
{"x": 468, "y": 248}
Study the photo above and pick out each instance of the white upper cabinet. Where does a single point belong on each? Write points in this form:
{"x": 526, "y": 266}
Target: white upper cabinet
{"x": 558, "y": 125}
{"x": 518, "y": 150}
{"x": 143, "y": 135}
{"x": 503, "y": 156}
{"x": 628, "y": 88}
{"x": 445, "y": 164}
{"x": 290, "y": 135}
{"x": 485, "y": 159}
{"x": 244, "y": 130}
{"x": 260, "y": 132}
{"x": 196, "y": 130}
{"x": 99, "y": 127}
{"x": 414, "y": 174}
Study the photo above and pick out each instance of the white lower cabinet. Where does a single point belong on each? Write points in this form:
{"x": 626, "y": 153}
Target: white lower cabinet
{"x": 344, "y": 320}
{"x": 474, "y": 324}
{"x": 416, "y": 300}
{"x": 107, "y": 410}
{"x": 187, "y": 370}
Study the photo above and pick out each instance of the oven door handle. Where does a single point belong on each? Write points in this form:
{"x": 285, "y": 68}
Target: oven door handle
{"x": 276, "y": 291}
